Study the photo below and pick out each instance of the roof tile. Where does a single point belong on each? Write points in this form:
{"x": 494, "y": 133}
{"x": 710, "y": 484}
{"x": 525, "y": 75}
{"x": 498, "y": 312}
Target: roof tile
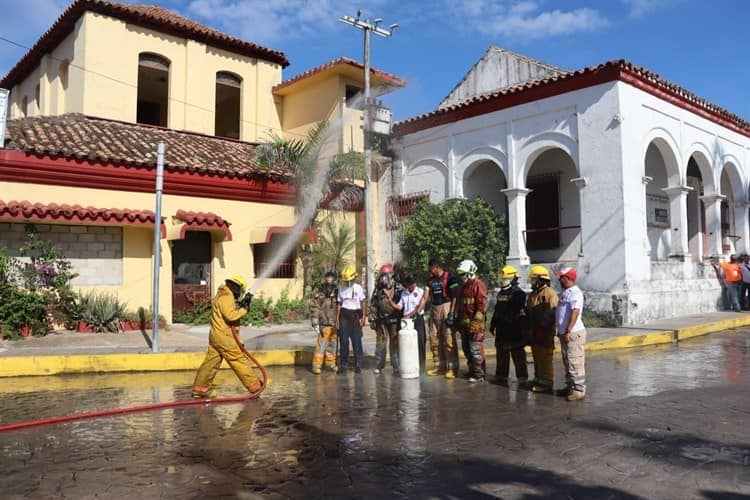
{"x": 25, "y": 210}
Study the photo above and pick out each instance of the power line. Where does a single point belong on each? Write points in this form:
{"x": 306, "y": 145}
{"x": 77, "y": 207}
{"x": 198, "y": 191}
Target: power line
{"x": 130, "y": 85}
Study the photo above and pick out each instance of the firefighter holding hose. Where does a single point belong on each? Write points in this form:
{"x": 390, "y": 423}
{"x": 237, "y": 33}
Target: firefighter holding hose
{"x": 227, "y": 309}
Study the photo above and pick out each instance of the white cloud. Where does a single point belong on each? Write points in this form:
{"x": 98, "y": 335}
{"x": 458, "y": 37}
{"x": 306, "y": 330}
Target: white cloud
{"x": 267, "y": 21}
{"x": 525, "y": 19}
{"x": 639, "y": 8}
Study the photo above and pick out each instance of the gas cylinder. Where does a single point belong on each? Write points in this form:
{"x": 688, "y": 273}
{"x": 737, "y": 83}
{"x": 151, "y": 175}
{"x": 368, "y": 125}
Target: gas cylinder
{"x": 408, "y": 349}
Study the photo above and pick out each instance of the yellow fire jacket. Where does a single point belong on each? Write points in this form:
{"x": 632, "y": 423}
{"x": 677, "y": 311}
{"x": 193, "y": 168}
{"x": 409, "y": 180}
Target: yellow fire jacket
{"x": 225, "y": 312}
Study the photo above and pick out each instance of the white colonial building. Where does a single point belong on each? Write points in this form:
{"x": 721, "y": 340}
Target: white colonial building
{"x": 632, "y": 179}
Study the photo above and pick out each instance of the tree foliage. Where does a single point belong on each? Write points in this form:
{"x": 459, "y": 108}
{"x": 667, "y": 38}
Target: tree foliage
{"x": 336, "y": 242}
{"x": 454, "y": 230}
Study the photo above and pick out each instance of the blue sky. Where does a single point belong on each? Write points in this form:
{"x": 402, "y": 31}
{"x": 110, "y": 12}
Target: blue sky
{"x": 697, "y": 44}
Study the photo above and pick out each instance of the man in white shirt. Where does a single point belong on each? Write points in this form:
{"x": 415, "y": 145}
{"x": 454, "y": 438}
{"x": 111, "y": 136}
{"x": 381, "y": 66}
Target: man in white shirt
{"x": 350, "y": 319}
{"x": 412, "y": 304}
{"x": 572, "y": 334}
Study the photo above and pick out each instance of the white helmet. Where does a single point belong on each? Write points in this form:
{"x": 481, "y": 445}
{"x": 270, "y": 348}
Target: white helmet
{"x": 467, "y": 267}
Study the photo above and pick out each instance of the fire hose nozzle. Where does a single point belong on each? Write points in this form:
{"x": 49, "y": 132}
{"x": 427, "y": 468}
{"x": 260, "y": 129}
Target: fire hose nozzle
{"x": 245, "y": 301}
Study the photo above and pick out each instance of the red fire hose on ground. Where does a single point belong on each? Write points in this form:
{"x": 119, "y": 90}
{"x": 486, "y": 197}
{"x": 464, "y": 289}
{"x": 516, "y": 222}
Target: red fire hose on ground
{"x": 154, "y": 406}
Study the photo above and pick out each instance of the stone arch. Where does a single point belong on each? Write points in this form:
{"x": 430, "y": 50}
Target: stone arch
{"x": 734, "y": 224}
{"x": 700, "y": 153}
{"x": 664, "y": 142}
{"x": 428, "y": 174}
{"x": 478, "y": 155}
{"x": 553, "y": 206}
{"x": 538, "y": 145}
{"x": 484, "y": 178}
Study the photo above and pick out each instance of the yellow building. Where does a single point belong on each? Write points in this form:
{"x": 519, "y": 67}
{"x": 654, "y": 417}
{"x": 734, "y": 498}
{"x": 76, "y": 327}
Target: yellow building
{"x": 95, "y": 95}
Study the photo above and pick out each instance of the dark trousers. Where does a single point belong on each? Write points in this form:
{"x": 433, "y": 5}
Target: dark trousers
{"x": 421, "y": 340}
{"x": 519, "y": 363}
{"x": 349, "y": 329}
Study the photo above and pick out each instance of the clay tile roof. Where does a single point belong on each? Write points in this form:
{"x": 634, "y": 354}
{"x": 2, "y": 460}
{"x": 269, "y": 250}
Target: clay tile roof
{"x": 145, "y": 16}
{"x": 570, "y": 81}
{"x": 204, "y": 220}
{"x": 79, "y": 137}
{"x": 25, "y": 210}
{"x": 389, "y": 78}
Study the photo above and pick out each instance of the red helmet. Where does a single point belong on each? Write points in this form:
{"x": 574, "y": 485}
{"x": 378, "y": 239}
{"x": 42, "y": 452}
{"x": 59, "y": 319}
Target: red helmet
{"x": 386, "y": 268}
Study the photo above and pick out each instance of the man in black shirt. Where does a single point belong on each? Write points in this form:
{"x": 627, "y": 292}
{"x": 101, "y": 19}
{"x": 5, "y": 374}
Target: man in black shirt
{"x": 443, "y": 287}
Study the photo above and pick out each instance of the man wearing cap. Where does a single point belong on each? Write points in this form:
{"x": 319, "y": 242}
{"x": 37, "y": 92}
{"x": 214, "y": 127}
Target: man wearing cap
{"x": 572, "y": 334}
{"x": 323, "y": 310}
{"x": 227, "y": 309}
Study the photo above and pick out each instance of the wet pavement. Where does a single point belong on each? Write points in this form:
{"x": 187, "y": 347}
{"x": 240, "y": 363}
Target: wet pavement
{"x": 659, "y": 422}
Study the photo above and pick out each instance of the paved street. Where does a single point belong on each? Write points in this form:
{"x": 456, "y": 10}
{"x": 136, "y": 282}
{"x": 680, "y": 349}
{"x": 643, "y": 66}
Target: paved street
{"x": 669, "y": 422}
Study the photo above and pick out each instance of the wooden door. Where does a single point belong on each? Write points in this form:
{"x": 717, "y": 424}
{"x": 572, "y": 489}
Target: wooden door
{"x": 543, "y": 214}
{"x": 191, "y": 270}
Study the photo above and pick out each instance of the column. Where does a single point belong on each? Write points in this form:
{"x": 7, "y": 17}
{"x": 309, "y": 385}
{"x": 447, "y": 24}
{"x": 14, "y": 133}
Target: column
{"x": 678, "y": 219}
{"x": 712, "y": 202}
{"x": 646, "y": 242}
{"x": 517, "y": 225}
{"x": 741, "y": 216}
{"x": 580, "y": 183}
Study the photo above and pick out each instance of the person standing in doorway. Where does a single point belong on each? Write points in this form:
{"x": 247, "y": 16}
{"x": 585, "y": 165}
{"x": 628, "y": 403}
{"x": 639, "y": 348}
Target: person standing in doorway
{"x": 443, "y": 287}
{"x": 572, "y": 334}
{"x": 745, "y": 295}
{"x": 350, "y": 319}
{"x": 411, "y": 304}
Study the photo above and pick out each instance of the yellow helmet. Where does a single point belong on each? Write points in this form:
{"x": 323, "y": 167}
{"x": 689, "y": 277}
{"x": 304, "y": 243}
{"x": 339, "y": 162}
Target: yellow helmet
{"x": 509, "y": 272}
{"x": 239, "y": 280}
{"x": 348, "y": 274}
{"x": 539, "y": 272}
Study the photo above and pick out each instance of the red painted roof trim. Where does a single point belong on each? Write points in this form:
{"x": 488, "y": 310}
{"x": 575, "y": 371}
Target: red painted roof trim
{"x": 390, "y": 78}
{"x": 25, "y": 211}
{"x": 620, "y": 70}
{"x": 150, "y": 17}
{"x": 288, "y": 230}
{"x": 203, "y": 221}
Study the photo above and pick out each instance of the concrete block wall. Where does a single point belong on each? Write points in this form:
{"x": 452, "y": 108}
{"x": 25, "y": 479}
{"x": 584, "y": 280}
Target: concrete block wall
{"x": 94, "y": 251}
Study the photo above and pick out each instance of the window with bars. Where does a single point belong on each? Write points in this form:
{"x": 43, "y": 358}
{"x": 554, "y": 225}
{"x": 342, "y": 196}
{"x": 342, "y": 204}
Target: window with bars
{"x": 402, "y": 207}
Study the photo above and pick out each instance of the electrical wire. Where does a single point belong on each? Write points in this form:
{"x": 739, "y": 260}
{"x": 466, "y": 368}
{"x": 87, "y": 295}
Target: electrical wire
{"x": 149, "y": 407}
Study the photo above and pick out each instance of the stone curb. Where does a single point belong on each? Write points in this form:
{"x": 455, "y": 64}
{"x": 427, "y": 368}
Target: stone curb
{"x": 20, "y": 366}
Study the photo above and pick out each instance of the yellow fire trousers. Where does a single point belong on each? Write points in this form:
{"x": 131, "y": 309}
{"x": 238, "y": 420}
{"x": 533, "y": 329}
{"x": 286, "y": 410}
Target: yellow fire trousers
{"x": 326, "y": 348}
{"x": 544, "y": 373}
{"x": 223, "y": 347}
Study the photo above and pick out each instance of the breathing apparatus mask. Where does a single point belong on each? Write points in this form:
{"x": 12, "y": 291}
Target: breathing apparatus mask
{"x": 386, "y": 280}
{"x": 506, "y": 283}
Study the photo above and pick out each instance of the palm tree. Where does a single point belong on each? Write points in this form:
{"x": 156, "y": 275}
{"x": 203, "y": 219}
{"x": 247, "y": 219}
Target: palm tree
{"x": 336, "y": 241}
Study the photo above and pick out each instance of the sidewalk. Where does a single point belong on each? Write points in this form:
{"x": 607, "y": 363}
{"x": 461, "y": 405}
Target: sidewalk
{"x": 182, "y": 346}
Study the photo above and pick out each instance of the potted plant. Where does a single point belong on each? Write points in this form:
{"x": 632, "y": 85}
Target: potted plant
{"x": 100, "y": 312}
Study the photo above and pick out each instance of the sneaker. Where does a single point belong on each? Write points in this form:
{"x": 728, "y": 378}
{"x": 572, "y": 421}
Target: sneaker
{"x": 357, "y": 370}
{"x": 450, "y": 374}
{"x": 576, "y": 396}
{"x": 474, "y": 380}
{"x": 377, "y": 371}
{"x": 541, "y": 389}
{"x": 204, "y": 395}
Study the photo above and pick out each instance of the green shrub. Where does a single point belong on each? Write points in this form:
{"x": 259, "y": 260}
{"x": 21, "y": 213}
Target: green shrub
{"x": 454, "y": 230}
{"x": 200, "y": 314}
{"x": 103, "y": 312}
{"x": 258, "y": 311}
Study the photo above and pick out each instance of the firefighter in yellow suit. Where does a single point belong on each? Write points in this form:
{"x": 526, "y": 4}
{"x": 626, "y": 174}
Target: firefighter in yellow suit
{"x": 541, "y": 304}
{"x": 227, "y": 309}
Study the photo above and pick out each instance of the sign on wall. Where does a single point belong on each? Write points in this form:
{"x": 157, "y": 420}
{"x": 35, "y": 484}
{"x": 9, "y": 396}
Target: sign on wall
{"x": 658, "y": 210}
{"x": 3, "y": 114}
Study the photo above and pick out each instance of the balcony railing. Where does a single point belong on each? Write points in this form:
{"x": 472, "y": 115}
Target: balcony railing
{"x": 399, "y": 208}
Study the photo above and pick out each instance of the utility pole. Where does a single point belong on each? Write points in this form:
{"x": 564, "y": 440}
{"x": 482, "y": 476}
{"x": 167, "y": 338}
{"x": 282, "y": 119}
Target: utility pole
{"x": 368, "y": 27}
{"x": 157, "y": 244}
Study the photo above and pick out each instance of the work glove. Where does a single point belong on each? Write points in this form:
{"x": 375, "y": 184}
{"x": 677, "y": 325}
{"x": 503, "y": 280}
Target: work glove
{"x": 316, "y": 329}
{"x": 450, "y": 320}
{"x": 476, "y": 330}
{"x": 245, "y": 301}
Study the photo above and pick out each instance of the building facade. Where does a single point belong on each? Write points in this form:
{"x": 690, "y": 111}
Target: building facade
{"x": 91, "y": 101}
{"x": 632, "y": 179}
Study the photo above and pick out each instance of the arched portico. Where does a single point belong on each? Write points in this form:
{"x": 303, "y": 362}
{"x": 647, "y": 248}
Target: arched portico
{"x": 428, "y": 175}
{"x": 734, "y": 208}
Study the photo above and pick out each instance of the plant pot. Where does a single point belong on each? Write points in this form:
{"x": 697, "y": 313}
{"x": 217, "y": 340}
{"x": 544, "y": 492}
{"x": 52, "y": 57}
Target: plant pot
{"x": 84, "y": 327}
{"x": 130, "y": 326}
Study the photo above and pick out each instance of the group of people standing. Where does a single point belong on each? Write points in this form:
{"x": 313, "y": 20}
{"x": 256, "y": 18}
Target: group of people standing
{"x": 734, "y": 278}
{"x": 457, "y": 305}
